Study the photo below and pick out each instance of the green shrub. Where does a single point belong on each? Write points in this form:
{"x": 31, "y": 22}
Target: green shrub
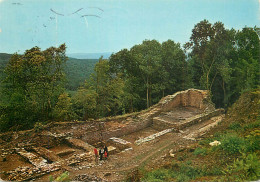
{"x": 182, "y": 177}
{"x": 232, "y": 144}
{"x": 200, "y": 151}
{"x": 255, "y": 124}
{"x": 190, "y": 171}
{"x": 247, "y": 168}
{"x": 235, "y": 126}
{"x": 64, "y": 177}
{"x": 38, "y": 126}
{"x": 205, "y": 141}
{"x": 253, "y": 141}
{"x": 183, "y": 172}
{"x": 157, "y": 175}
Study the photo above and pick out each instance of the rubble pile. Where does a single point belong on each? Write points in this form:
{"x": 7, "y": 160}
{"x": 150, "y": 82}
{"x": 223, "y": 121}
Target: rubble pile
{"x": 41, "y": 167}
{"x": 26, "y": 173}
{"x": 4, "y": 153}
{"x": 75, "y": 159}
{"x": 33, "y": 159}
{"x": 85, "y": 177}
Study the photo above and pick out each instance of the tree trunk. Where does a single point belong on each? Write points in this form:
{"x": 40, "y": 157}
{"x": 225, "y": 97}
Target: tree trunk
{"x": 147, "y": 94}
{"x": 150, "y": 97}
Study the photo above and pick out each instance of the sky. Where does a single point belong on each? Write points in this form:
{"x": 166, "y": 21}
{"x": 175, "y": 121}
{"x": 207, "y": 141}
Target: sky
{"x": 116, "y": 24}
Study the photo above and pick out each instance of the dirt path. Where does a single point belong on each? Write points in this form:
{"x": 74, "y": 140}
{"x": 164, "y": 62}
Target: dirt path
{"x": 143, "y": 154}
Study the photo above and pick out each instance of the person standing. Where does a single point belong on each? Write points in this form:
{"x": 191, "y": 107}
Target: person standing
{"x": 105, "y": 155}
{"x": 106, "y": 150}
{"x": 101, "y": 152}
{"x": 96, "y": 155}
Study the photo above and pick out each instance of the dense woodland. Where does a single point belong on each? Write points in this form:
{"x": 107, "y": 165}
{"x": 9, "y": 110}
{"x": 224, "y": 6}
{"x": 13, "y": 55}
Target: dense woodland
{"x": 37, "y": 86}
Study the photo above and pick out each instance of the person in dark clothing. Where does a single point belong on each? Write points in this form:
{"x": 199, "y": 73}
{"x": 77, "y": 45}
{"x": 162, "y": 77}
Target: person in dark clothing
{"x": 106, "y": 150}
{"x": 101, "y": 152}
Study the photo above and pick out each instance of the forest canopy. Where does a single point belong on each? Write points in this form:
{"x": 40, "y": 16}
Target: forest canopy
{"x": 36, "y": 88}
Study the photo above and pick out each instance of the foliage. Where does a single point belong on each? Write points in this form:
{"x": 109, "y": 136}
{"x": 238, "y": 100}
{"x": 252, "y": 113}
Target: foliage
{"x": 64, "y": 177}
{"x": 150, "y": 71}
{"x": 200, "y": 151}
{"x": 246, "y": 168}
{"x": 38, "y": 126}
{"x": 225, "y": 62}
{"x": 183, "y": 172}
{"x": 157, "y": 175}
{"x": 84, "y": 103}
{"x": 252, "y": 141}
{"x": 235, "y": 126}
{"x": 63, "y": 108}
{"x": 77, "y": 71}
{"x": 232, "y": 144}
{"x": 31, "y": 86}
{"x": 103, "y": 95}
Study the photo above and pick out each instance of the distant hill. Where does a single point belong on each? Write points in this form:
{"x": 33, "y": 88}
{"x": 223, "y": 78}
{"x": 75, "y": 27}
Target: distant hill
{"x": 4, "y": 58}
{"x": 105, "y": 55}
{"x": 77, "y": 70}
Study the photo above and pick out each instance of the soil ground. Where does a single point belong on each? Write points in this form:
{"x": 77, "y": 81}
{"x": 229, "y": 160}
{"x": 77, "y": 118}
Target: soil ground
{"x": 149, "y": 155}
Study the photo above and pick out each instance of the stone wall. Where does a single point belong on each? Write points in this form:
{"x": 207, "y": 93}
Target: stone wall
{"x": 133, "y": 126}
{"x": 192, "y": 98}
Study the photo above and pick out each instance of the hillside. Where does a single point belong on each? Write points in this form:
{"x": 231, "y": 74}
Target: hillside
{"x": 3, "y": 61}
{"x": 235, "y": 159}
{"x": 77, "y": 70}
{"x": 105, "y": 55}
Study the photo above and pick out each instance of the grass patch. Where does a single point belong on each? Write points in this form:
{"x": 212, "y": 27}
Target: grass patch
{"x": 182, "y": 172}
{"x": 245, "y": 168}
{"x": 200, "y": 151}
{"x": 235, "y": 126}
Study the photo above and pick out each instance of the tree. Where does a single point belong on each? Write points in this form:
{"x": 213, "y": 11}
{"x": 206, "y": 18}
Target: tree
{"x": 101, "y": 96}
{"x": 32, "y": 86}
{"x": 148, "y": 57}
{"x": 246, "y": 64}
{"x": 211, "y": 47}
{"x": 150, "y": 71}
{"x": 174, "y": 73}
{"x": 225, "y": 62}
{"x": 123, "y": 65}
{"x": 63, "y": 108}
{"x": 85, "y": 102}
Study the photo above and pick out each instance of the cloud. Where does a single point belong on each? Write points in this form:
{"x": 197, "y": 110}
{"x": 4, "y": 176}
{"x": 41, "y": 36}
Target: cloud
{"x": 0, "y": 30}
